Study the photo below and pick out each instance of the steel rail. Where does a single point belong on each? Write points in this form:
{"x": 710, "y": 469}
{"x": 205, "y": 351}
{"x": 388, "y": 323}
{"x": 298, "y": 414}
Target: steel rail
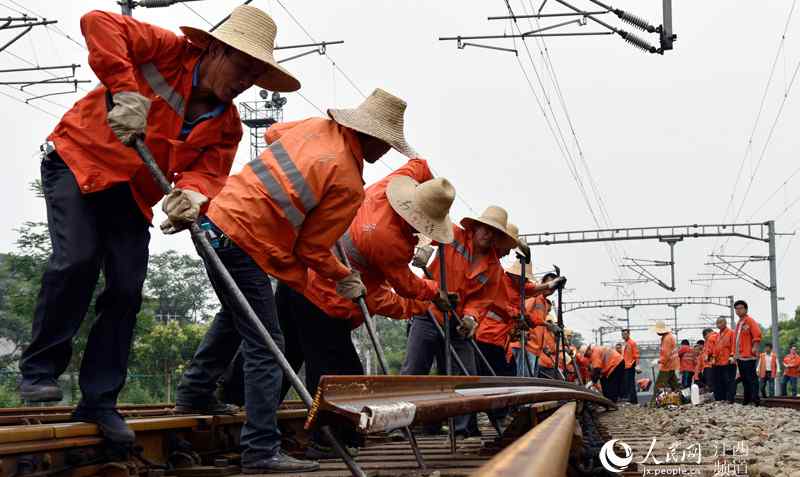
{"x": 544, "y": 450}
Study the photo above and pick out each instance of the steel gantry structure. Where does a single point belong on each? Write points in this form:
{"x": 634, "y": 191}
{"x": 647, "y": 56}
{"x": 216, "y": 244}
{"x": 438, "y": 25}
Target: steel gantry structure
{"x": 759, "y": 231}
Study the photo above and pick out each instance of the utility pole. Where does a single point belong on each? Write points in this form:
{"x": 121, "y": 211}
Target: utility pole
{"x": 773, "y": 293}
{"x": 627, "y": 309}
{"x": 674, "y": 307}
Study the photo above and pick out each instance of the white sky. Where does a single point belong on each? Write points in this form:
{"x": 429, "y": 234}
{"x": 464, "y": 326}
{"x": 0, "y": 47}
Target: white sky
{"x": 663, "y": 136}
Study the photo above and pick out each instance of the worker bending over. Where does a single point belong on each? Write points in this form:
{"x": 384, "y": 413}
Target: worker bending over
{"x": 608, "y": 368}
{"x": 667, "y": 361}
{"x": 279, "y": 217}
{"x": 176, "y": 92}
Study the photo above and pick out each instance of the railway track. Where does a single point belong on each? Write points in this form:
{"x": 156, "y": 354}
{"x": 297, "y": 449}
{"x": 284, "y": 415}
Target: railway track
{"x": 790, "y": 402}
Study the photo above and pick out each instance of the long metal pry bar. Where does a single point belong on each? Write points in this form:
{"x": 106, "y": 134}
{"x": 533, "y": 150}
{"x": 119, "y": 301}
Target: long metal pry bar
{"x": 208, "y": 253}
{"x": 373, "y": 337}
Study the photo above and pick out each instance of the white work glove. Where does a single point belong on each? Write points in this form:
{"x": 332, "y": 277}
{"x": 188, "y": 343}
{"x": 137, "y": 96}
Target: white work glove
{"x": 638, "y": 370}
{"x": 351, "y": 286}
{"x": 445, "y": 301}
{"x": 468, "y": 326}
{"x": 182, "y": 207}
{"x": 128, "y": 117}
{"x": 422, "y": 255}
{"x": 654, "y": 363}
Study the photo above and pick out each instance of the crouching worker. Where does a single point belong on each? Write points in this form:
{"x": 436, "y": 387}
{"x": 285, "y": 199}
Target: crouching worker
{"x": 608, "y": 368}
{"x": 176, "y": 92}
{"x": 276, "y": 218}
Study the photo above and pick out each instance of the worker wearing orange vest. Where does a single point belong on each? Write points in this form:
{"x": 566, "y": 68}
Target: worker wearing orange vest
{"x": 748, "y": 337}
{"x": 699, "y": 363}
{"x": 608, "y": 368}
{"x": 475, "y": 274}
{"x": 668, "y": 362}
{"x": 722, "y": 351}
{"x": 279, "y": 217}
{"x": 709, "y": 336}
{"x": 176, "y": 92}
{"x": 630, "y": 354}
{"x": 379, "y": 243}
{"x": 791, "y": 370}
{"x": 688, "y": 363}
{"x": 767, "y": 370}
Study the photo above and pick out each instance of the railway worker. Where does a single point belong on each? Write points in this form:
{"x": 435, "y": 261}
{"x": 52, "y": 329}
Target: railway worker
{"x": 748, "y": 338}
{"x": 688, "y": 363}
{"x": 379, "y": 243}
{"x": 583, "y": 363}
{"x": 630, "y": 354}
{"x": 710, "y": 337}
{"x": 176, "y": 92}
{"x": 724, "y": 373}
{"x": 546, "y": 337}
{"x": 618, "y": 347}
{"x": 767, "y": 370}
{"x": 473, "y": 271}
{"x": 279, "y": 217}
{"x": 699, "y": 364}
{"x": 791, "y": 370}
{"x": 608, "y": 368}
{"x": 668, "y": 362}
{"x": 537, "y": 310}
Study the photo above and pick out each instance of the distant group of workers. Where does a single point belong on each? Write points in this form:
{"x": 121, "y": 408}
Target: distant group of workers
{"x": 720, "y": 361}
{"x": 279, "y": 218}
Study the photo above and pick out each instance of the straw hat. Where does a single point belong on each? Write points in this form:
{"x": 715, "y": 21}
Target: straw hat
{"x": 660, "y": 328}
{"x": 496, "y": 218}
{"x": 515, "y": 269}
{"x": 380, "y": 116}
{"x": 550, "y": 319}
{"x": 568, "y": 332}
{"x": 424, "y": 206}
{"x": 250, "y": 31}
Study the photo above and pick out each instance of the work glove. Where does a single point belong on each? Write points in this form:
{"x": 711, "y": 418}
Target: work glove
{"x": 654, "y": 363}
{"x": 422, "y": 254}
{"x": 638, "y": 370}
{"x": 128, "y": 117}
{"x": 445, "y": 301}
{"x": 552, "y": 327}
{"x": 351, "y": 286}
{"x": 182, "y": 207}
{"x": 467, "y": 327}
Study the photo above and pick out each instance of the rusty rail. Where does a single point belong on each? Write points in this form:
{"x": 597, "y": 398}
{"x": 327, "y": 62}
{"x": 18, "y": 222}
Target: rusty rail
{"x": 544, "y": 450}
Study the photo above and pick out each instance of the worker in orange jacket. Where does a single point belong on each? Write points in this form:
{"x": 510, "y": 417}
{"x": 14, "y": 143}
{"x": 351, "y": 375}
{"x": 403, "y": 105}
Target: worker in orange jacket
{"x": 688, "y": 363}
{"x": 710, "y": 337}
{"x": 700, "y": 362}
{"x": 608, "y": 368}
{"x": 791, "y": 370}
{"x": 474, "y": 273}
{"x": 546, "y": 336}
{"x": 630, "y": 353}
{"x": 767, "y": 370}
{"x": 748, "y": 337}
{"x": 176, "y": 92}
{"x": 379, "y": 243}
{"x": 668, "y": 362}
{"x": 722, "y": 352}
{"x": 279, "y": 217}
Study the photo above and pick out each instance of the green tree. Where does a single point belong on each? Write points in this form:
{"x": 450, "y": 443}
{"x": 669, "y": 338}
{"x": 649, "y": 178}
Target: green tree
{"x": 788, "y": 333}
{"x": 179, "y": 284}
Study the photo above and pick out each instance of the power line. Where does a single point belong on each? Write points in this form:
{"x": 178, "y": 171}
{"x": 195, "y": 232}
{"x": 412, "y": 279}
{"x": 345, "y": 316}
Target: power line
{"x": 58, "y": 30}
{"x": 196, "y": 13}
{"x": 31, "y": 105}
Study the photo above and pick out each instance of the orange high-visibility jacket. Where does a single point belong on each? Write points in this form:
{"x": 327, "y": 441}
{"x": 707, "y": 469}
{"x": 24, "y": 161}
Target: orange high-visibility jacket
{"x": 791, "y": 365}
{"x": 477, "y": 282}
{"x": 536, "y": 309}
{"x": 723, "y": 347}
{"x": 287, "y": 207}
{"x": 131, "y": 56}
{"x": 708, "y": 349}
{"x": 687, "y": 357}
{"x": 605, "y": 359}
{"x": 583, "y": 367}
{"x": 630, "y": 353}
{"x": 668, "y": 356}
{"x": 762, "y": 364}
{"x": 547, "y": 351}
{"x": 380, "y": 245}
{"x": 502, "y": 313}
{"x": 747, "y": 334}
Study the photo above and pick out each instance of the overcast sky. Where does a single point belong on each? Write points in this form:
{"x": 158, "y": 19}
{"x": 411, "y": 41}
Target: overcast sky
{"x": 663, "y": 136}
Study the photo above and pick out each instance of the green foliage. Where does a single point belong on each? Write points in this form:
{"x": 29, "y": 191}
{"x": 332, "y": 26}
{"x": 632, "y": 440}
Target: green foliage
{"x": 788, "y": 333}
{"x": 393, "y": 339}
{"x": 180, "y": 287}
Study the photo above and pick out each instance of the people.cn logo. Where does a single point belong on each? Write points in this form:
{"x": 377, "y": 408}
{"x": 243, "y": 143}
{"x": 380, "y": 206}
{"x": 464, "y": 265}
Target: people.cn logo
{"x": 611, "y": 461}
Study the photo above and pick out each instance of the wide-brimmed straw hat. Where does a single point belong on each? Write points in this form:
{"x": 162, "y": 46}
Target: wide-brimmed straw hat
{"x": 515, "y": 270}
{"x": 660, "y": 328}
{"x": 568, "y": 332}
{"x": 380, "y": 116}
{"x": 496, "y": 218}
{"x": 425, "y": 206}
{"x": 252, "y": 32}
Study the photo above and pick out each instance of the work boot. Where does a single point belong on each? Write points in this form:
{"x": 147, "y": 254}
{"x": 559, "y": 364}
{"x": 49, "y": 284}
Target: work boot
{"x": 317, "y": 451}
{"x": 40, "y": 390}
{"x": 214, "y": 407}
{"x": 111, "y": 424}
{"x": 279, "y": 463}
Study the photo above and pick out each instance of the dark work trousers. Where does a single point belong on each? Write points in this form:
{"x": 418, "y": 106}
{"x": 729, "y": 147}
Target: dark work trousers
{"x": 630, "y": 391}
{"x": 788, "y": 382}
{"x": 767, "y": 385}
{"x": 724, "y": 382}
{"x": 262, "y": 374}
{"x": 708, "y": 378}
{"x": 747, "y": 370}
{"x": 612, "y": 384}
{"x": 424, "y": 345}
{"x": 323, "y": 343}
{"x": 496, "y": 356}
{"x": 686, "y": 379}
{"x": 103, "y": 230}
